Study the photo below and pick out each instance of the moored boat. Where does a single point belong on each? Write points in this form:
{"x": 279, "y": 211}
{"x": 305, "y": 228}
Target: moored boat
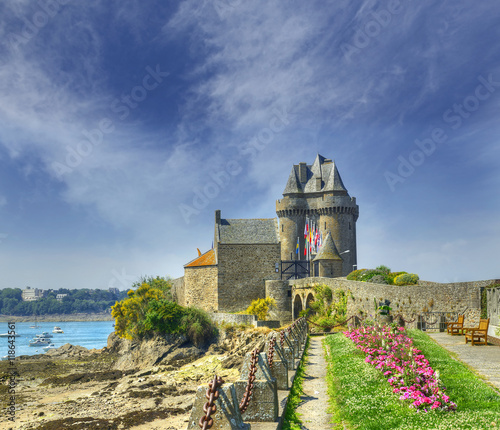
{"x": 10, "y": 335}
{"x": 57, "y": 330}
{"x": 45, "y": 334}
{"x": 40, "y": 341}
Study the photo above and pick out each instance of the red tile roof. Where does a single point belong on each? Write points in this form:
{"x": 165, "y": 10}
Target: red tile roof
{"x": 206, "y": 259}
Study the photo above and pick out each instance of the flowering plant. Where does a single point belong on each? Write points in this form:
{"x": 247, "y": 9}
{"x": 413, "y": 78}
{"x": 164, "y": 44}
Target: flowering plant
{"x": 391, "y": 351}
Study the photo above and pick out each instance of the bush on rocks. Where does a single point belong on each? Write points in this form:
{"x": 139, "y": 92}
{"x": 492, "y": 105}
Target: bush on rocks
{"x": 355, "y": 275}
{"x": 406, "y": 279}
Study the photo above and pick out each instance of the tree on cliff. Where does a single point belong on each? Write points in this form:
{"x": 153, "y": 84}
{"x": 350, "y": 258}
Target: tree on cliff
{"x": 149, "y": 311}
{"x": 130, "y": 313}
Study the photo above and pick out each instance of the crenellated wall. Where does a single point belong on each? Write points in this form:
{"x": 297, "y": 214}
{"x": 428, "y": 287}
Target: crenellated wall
{"x": 331, "y": 213}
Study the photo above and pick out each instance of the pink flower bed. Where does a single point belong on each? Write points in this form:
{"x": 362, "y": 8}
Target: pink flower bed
{"x": 408, "y": 371}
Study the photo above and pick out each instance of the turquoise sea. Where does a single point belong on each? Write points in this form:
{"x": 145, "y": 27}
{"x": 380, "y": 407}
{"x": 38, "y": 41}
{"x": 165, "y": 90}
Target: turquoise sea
{"x": 91, "y": 334}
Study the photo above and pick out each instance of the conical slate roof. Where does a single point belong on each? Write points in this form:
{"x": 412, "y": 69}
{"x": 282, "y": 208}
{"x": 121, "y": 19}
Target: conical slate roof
{"x": 293, "y": 184}
{"x": 334, "y": 182}
{"x": 328, "y": 250}
{"x": 321, "y": 168}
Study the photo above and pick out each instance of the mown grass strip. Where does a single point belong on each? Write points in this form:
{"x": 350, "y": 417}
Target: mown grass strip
{"x": 291, "y": 420}
{"x": 362, "y": 398}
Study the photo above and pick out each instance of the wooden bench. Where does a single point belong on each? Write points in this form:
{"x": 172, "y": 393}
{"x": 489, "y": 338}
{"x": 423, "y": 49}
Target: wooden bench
{"x": 455, "y": 327}
{"x": 477, "y": 333}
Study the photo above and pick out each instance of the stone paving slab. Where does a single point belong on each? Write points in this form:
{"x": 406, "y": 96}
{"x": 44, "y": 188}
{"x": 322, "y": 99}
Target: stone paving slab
{"x": 485, "y": 359}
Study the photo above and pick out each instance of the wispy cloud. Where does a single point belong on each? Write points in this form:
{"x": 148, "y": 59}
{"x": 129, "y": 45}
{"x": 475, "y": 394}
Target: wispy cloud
{"x": 228, "y": 66}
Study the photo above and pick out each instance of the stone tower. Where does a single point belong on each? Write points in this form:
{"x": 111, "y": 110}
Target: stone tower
{"x": 316, "y": 192}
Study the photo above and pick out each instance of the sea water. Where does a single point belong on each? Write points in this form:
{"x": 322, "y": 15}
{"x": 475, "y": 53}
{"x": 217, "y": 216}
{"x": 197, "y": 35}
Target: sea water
{"x": 90, "y": 334}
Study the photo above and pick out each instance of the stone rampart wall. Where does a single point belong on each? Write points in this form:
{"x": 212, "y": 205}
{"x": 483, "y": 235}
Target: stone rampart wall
{"x": 243, "y": 270}
{"x": 220, "y": 317}
{"x": 408, "y": 300}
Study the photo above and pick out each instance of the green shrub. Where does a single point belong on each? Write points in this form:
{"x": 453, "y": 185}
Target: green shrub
{"x": 392, "y": 275}
{"x": 354, "y": 276}
{"x": 379, "y": 279}
{"x": 261, "y": 308}
{"x": 197, "y": 326}
{"x": 383, "y": 269}
{"x": 369, "y": 274}
{"x": 406, "y": 279}
{"x": 323, "y": 292}
{"x": 162, "y": 316}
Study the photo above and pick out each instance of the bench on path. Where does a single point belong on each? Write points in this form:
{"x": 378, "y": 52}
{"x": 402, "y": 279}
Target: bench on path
{"x": 456, "y": 327}
{"x": 477, "y": 333}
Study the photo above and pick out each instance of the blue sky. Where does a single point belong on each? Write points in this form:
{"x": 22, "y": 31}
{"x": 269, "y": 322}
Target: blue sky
{"x": 124, "y": 125}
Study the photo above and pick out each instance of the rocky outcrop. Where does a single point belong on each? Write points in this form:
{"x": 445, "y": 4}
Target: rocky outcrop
{"x": 161, "y": 350}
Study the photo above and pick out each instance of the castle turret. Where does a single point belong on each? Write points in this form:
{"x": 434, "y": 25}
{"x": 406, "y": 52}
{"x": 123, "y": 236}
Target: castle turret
{"x": 328, "y": 262}
{"x": 316, "y": 193}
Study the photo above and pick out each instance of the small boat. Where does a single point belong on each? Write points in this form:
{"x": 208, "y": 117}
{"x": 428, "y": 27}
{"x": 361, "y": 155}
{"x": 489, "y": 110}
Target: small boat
{"x": 57, "y": 330}
{"x": 5, "y": 357}
{"x": 40, "y": 341}
{"x": 45, "y": 334}
{"x": 10, "y": 335}
{"x": 51, "y": 346}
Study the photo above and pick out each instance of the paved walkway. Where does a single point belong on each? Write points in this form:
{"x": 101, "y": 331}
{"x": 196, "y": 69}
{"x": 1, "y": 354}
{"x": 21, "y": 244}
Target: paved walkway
{"x": 314, "y": 401}
{"x": 485, "y": 359}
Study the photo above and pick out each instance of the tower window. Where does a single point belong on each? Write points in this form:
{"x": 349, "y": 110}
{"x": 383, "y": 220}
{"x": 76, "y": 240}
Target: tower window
{"x": 325, "y": 225}
{"x": 283, "y": 226}
{"x": 349, "y": 226}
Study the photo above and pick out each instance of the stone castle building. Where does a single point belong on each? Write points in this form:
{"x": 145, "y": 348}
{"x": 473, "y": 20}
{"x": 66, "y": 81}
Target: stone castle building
{"x": 248, "y": 252}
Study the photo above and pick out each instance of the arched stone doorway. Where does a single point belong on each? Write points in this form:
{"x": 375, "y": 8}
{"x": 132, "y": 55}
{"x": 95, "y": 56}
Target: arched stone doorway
{"x": 310, "y": 299}
{"x": 297, "y": 306}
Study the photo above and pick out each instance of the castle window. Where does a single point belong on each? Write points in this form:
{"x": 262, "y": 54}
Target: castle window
{"x": 282, "y": 227}
{"x": 325, "y": 225}
{"x": 349, "y": 226}
{"x": 289, "y": 293}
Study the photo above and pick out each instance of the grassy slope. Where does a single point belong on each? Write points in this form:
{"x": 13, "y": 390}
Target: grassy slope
{"x": 362, "y": 399}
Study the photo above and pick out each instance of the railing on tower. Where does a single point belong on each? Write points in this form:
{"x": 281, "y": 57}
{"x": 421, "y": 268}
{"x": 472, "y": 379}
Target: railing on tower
{"x": 295, "y": 269}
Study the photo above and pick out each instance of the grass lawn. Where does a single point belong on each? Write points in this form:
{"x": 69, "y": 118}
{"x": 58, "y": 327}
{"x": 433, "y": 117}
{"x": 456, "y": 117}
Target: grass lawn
{"x": 361, "y": 397}
{"x": 291, "y": 420}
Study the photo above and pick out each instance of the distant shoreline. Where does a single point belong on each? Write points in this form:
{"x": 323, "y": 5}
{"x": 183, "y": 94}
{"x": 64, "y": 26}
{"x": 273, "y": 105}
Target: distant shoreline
{"x": 57, "y": 318}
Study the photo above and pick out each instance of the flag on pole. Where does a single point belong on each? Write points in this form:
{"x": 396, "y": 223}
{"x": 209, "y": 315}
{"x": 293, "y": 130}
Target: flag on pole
{"x": 297, "y": 247}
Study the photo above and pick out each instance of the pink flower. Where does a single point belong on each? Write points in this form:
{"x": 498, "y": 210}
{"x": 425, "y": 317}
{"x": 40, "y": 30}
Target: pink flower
{"x": 435, "y": 405}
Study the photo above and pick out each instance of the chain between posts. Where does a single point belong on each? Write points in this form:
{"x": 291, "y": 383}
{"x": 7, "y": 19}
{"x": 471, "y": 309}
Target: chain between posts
{"x": 408, "y": 322}
{"x": 212, "y": 394}
{"x": 251, "y": 378}
{"x": 270, "y": 356}
{"x": 337, "y": 325}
